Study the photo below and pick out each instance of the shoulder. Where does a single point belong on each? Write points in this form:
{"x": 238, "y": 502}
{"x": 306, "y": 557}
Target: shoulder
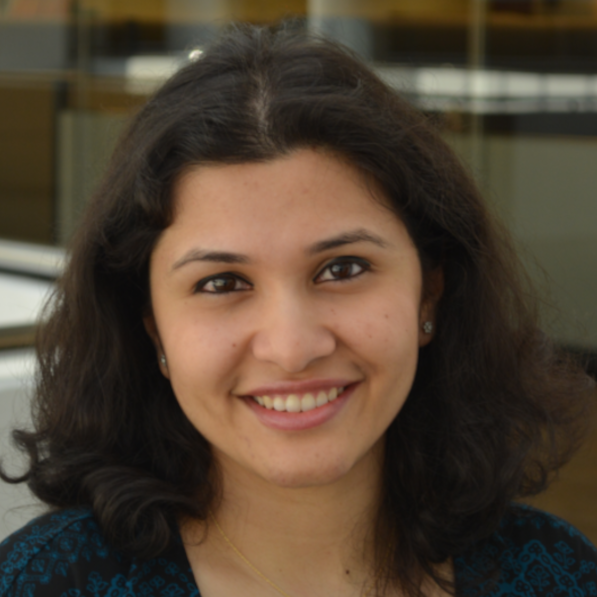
{"x": 525, "y": 522}
{"x": 532, "y": 553}
{"x": 65, "y": 554}
{"x": 49, "y": 550}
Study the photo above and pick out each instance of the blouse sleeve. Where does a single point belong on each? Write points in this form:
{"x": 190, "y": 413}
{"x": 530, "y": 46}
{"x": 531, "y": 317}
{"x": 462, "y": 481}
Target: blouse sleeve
{"x": 64, "y": 554}
{"x": 532, "y": 554}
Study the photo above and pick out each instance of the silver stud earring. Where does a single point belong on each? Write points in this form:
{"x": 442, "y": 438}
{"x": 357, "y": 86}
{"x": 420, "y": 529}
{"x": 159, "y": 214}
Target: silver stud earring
{"x": 428, "y": 327}
{"x": 163, "y": 360}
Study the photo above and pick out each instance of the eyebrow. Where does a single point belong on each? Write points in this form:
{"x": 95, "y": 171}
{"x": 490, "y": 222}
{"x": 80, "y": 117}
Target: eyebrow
{"x": 211, "y": 256}
{"x": 346, "y": 238}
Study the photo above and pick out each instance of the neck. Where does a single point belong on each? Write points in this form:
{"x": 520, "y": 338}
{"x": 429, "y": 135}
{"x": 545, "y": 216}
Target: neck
{"x": 309, "y": 540}
{"x": 305, "y": 517}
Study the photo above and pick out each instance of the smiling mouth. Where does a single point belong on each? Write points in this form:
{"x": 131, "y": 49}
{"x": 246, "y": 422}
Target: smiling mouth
{"x": 296, "y": 403}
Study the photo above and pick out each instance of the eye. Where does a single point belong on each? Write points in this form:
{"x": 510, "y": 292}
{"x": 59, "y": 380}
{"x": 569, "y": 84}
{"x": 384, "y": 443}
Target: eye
{"x": 222, "y": 284}
{"x": 343, "y": 269}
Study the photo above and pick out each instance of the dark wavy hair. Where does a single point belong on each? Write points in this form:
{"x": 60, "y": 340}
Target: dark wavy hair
{"x": 495, "y": 408}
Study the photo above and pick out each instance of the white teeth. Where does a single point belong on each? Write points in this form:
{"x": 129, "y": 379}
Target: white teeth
{"x": 308, "y": 402}
{"x": 293, "y": 403}
{"x": 322, "y": 398}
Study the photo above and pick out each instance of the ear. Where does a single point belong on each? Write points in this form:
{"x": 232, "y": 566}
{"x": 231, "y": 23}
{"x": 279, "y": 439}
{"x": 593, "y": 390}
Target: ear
{"x": 433, "y": 288}
{"x": 152, "y": 331}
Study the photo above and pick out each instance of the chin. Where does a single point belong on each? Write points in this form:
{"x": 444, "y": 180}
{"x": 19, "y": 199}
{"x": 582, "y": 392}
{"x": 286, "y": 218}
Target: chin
{"x": 316, "y": 475}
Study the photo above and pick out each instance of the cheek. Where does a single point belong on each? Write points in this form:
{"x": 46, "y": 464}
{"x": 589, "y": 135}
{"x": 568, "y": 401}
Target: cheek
{"x": 383, "y": 328}
{"x": 385, "y": 341}
{"x": 201, "y": 355}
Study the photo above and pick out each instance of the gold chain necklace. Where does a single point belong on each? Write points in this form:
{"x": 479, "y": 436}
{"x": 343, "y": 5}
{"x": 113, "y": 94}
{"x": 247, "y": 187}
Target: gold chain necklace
{"x": 265, "y": 578}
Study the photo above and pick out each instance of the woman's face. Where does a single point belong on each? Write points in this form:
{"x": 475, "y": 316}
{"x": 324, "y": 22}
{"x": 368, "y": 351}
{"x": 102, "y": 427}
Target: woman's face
{"x": 278, "y": 285}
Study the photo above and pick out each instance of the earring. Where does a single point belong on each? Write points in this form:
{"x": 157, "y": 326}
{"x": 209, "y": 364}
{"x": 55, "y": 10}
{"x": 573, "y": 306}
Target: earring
{"x": 163, "y": 360}
{"x": 428, "y": 327}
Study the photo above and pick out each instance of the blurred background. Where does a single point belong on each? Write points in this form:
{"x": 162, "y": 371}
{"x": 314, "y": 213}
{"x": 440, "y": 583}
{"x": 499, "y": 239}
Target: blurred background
{"x": 511, "y": 83}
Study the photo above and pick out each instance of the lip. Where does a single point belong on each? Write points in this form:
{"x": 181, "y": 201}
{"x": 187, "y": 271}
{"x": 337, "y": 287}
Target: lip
{"x": 285, "y": 421}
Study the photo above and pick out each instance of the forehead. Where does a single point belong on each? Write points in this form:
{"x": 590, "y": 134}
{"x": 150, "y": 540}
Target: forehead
{"x": 276, "y": 211}
{"x": 305, "y": 183}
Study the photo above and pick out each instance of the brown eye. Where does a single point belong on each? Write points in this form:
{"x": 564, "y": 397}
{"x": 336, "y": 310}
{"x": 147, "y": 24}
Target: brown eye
{"x": 344, "y": 269}
{"x": 222, "y": 284}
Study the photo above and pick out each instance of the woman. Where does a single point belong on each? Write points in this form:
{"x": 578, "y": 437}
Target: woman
{"x": 292, "y": 354}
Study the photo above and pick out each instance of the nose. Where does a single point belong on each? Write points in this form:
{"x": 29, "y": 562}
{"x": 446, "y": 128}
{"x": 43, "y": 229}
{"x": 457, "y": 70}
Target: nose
{"x": 292, "y": 334}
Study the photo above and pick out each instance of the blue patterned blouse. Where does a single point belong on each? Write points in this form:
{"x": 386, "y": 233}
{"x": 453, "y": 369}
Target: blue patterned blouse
{"x": 64, "y": 554}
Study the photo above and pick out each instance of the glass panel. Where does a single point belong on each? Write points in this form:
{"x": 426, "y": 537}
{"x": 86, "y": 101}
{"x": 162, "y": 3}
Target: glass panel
{"x": 71, "y": 72}
{"x": 33, "y": 45}
{"x": 540, "y": 145}
{"x": 512, "y": 82}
